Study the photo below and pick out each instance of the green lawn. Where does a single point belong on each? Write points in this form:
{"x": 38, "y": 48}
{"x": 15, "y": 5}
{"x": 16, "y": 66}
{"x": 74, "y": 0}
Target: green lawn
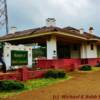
{"x": 34, "y": 84}
{"x": 39, "y": 83}
{"x": 96, "y": 68}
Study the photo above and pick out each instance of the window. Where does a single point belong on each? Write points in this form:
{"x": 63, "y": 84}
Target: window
{"x": 92, "y": 46}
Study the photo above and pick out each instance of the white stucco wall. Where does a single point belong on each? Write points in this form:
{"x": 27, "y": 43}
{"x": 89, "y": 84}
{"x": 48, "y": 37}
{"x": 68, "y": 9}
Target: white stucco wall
{"x": 7, "y": 54}
{"x": 91, "y": 53}
{"x": 86, "y": 51}
{"x": 51, "y": 47}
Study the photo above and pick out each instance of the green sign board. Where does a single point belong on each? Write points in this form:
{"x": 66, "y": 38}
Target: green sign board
{"x": 19, "y": 57}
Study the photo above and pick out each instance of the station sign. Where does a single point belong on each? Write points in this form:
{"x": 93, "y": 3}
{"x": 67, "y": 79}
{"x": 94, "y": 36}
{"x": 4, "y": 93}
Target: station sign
{"x": 19, "y": 57}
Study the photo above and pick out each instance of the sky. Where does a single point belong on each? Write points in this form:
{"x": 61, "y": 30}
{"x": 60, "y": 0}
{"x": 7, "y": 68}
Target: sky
{"x": 26, "y": 14}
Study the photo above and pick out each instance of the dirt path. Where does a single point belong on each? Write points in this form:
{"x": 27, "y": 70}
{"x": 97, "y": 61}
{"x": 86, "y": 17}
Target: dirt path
{"x": 84, "y": 86}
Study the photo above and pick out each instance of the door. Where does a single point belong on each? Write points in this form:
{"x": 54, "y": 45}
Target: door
{"x": 63, "y": 51}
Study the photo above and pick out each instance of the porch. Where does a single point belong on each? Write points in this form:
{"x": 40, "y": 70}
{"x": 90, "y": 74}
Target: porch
{"x": 56, "y": 47}
{"x": 66, "y": 47}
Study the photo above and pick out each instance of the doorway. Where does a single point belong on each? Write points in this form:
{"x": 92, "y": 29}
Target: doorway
{"x": 63, "y": 51}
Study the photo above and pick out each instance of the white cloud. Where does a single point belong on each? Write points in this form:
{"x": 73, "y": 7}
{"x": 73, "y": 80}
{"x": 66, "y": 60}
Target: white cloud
{"x": 32, "y": 13}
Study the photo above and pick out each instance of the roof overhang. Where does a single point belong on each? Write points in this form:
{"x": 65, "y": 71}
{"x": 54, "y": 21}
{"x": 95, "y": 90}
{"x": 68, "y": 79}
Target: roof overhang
{"x": 42, "y": 34}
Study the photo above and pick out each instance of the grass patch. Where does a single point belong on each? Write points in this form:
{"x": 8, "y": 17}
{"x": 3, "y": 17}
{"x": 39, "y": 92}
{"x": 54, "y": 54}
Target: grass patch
{"x": 34, "y": 84}
{"x": 5, "y": 94}
{"x": 38, "y": 83}
{"x": 96, "y": 68}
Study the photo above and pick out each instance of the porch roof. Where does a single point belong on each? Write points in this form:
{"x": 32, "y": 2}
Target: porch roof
{"x": 45, "y": 31}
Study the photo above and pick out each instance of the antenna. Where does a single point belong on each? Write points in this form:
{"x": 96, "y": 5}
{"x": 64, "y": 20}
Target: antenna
{"x": 4, "y": 15}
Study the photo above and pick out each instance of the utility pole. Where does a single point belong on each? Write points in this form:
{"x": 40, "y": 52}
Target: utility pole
{"x": 4, "y": 15}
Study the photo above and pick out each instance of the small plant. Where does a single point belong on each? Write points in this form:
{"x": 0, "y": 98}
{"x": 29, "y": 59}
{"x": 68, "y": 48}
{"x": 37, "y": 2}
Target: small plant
{"x": 9, "y": 85}
{"x": 54, "y": 74}
{"x": 85, "y": 68}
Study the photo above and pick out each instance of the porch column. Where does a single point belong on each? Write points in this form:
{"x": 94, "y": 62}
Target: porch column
{"x": 83, "y": 50}
{"x": 89, "y": 50}
{"x": 52, "y": 48}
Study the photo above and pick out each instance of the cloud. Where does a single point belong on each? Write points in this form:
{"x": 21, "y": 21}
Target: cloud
{"x": 76, "y": 13}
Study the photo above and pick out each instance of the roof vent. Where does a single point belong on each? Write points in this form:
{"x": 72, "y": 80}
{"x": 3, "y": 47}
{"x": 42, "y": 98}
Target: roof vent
{"x": 91, "y": 30}
{"x": 81, "y": 30}
{"x": 50, "y": 22}
{"x": 13, "y": 29}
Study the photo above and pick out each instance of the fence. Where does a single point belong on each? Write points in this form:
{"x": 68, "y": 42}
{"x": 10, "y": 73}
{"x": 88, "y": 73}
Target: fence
{"x": 22, "y": 74}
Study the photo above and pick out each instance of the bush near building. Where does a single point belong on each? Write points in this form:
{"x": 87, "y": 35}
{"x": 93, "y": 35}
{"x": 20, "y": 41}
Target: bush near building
{"x": 55, "y": 74}
{"x": 85, "y": 68}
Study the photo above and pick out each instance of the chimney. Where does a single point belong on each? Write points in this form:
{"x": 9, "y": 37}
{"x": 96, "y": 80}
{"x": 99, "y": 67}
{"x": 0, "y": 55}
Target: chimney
{"x": 81, "y": 30}
{"x": 50, "y": 22}
{"x": 13, "y": 29}
{"x": 91, "y": 30}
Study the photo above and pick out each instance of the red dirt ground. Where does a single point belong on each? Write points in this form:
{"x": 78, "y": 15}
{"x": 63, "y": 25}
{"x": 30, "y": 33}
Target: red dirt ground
{"x": 83, "y": 86}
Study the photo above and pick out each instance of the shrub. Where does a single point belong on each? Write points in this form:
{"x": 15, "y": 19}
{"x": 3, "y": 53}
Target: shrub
{"x": 85, "y": 68}
{"x": 54, "y": 74}
{"x": 8, "y": 85}
{"x": 61, "y": 74}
